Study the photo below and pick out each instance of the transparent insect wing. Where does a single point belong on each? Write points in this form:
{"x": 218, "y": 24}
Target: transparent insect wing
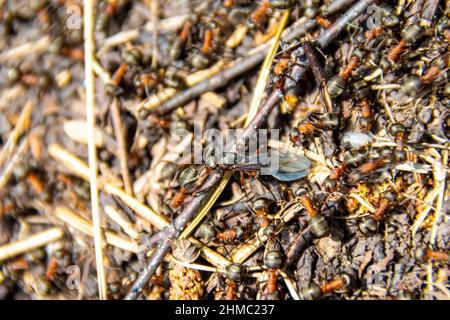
{"x": 356, "y": 139}
{"x": 287, "y": 166}
{"x": 256, "y": 158}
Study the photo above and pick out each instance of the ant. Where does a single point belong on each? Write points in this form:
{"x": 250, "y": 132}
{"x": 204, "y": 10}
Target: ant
{"x": 317, "y": 222}
{"x": 369, "y": 167}
{"x": 368, "y": 225}
{"x": 313, "y": 125}
{"x": 313, "y": 291}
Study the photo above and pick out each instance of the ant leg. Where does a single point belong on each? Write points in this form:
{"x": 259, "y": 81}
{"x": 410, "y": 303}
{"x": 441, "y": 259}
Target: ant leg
{"x": 267, "y": 186}
{"x": 172, "y": 220}
{"x": 147, "y": 91}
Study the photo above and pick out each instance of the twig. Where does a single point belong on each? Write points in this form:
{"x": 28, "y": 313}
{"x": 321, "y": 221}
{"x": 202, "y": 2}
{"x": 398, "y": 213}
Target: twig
{"x": 6, "y": 174}
{"x": 90, "y": 113}
{"x": 205, "y": 208}
{"x": 387, "y": 107}
{"x": 154, "y": 5}
{"x": 286, "y": 214}
{"x": 121, "y": 145}
{"x": 188, "y": 212}
{"x": 362, "y": 201}
{"x": 244, "y": 251}
{"x": 441, "y": 177}
{"x": 428, "y": 12}
{"x": 429, "y": 198}
{"x": 319, "y": 75}
{"x": 79, "y": 168}
{"x": 387, "y": 86}
{"x": 168, "y": 24}
{"x": 193, "y": 265}
{"x": 258, "y": 93}
{"x": 335, "y": 6}
{"x": 414, "y": 12}
{"x": 298, "y": 245}
{"x": 10, "y": 94}
{"x": 149, "y": 270}
{"x": 34, "y": 47}
{"x": 180, "y": 221}
{"x": 84, "y": 226}
{"x": 290, "y": 285}
{"x": 126, "y": 225}
{"x": 22, "y": 124}
{"x": 323, "y": 40}
{"x": 35, "y": 241}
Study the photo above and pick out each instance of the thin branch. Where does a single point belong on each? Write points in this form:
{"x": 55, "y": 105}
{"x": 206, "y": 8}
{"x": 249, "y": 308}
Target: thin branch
{"x": 149, "y": 270}
{"x": 35, "y": 241}
{"x": 84, "y": 226}
{"x": 6, "y": 174}
{"x": 258, "y": 93}
{"x": 121, "y": 145}
{"x": 22, "y": 124}
{"x": 319, "y": 75}
{"x": 335, "y": 7}
{"x": 34, "y": 47}
{"x": 154, "y": 5}
{"x": 90, "y": 113}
